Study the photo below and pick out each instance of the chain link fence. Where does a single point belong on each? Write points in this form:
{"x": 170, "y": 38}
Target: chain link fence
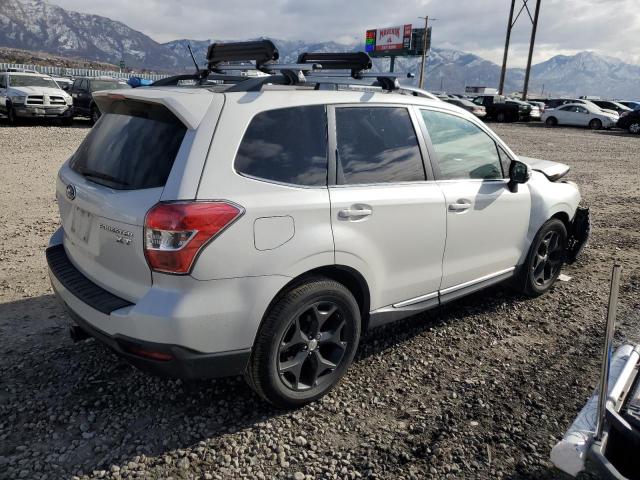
{"x": 80, "y": 72}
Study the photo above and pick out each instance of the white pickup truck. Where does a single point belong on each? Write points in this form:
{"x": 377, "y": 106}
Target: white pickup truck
{"x": 24, "y": 94}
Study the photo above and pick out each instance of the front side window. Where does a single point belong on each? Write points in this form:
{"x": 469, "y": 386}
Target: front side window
{"x": 570, "y": 108}
{"x": 463, "y": 150}
{"x": 288, "y": 145}
{"x": 377, "y": 145}
{"x": 3, "y": 82}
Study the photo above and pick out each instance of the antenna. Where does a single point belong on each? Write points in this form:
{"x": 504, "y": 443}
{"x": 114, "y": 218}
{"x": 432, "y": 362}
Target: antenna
{"x": 193, "y": 58}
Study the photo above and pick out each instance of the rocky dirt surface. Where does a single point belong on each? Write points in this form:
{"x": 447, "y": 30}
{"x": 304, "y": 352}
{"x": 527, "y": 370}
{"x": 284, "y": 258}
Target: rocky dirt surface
{"x": 480, "y": 389}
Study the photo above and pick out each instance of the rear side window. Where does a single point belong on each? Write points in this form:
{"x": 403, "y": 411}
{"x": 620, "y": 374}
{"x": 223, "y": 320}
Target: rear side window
{"x": 133, "y": 146}
{"x": 377, "y": 145}
{"x": 288, "y": 145}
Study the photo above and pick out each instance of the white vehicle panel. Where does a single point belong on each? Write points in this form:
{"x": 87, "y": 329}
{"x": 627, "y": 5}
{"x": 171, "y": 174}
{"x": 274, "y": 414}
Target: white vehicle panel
{"x": 487, "y": 228}
{"x": 399, "y": 244}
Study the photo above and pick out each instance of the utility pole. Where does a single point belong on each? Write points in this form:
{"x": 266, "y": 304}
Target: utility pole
{"x": 512, "y": 22}
{"x": 503, "y": 72}
{"x": 531, "y": 45}
{"x": 424, "y": 50}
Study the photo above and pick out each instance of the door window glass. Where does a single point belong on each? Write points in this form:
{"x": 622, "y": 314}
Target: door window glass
{"x": 463, "y": 150}
{"x": 287, "y": 145}
{"x": 377, "y": 145}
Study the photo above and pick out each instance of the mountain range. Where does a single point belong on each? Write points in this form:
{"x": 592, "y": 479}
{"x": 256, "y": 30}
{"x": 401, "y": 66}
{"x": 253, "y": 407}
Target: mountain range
{"x": 42, "y": 26}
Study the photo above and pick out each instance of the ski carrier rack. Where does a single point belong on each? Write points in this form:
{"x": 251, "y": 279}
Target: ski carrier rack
{"x": 262, "y": 55}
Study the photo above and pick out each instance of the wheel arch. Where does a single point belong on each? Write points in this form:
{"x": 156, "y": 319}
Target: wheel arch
{"x": 563, "y": 217}
{"x": 353, "y": 280}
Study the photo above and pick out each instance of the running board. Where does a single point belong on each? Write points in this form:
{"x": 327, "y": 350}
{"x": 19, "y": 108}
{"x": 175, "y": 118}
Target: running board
{"x": 416, "y": 305}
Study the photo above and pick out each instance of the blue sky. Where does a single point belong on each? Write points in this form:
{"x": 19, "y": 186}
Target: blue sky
{"x": 608, "y": 27}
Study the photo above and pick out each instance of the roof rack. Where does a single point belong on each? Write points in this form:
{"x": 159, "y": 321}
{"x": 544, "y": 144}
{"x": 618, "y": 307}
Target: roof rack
{"x": 260, "y": 51}
{"x": 224, "y": 58}
{"x": 354, "y": 61}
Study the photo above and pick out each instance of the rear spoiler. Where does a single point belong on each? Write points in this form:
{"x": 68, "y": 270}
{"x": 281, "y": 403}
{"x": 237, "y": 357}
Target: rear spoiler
{"x": 554, "y": 171}
{"x": 190, "y": 106}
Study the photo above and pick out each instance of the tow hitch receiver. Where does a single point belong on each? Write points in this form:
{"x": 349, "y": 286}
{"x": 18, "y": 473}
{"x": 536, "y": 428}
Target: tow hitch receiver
{"x": 605, "y": 436}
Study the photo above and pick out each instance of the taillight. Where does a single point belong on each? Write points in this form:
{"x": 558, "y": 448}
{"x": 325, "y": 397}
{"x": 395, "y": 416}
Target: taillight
{"x": 174, "y": 233}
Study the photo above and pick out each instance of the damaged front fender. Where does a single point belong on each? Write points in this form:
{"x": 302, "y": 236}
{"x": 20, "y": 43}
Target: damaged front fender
{"x": 578, "y": 234}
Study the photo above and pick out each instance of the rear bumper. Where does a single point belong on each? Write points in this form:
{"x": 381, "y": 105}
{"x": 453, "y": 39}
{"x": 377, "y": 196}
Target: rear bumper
{"x": 184, "y": 363}
{"x": 207, "y": 327}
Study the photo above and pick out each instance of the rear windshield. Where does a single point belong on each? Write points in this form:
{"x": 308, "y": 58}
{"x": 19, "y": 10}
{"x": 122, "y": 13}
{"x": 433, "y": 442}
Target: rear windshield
{"x": 133, "y": 146}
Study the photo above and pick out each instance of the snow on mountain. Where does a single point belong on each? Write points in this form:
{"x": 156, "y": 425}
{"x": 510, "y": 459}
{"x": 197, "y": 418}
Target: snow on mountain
{"x": 38, "y": 25}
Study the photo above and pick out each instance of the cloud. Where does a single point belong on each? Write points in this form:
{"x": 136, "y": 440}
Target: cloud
{"x": 565, "y": 26}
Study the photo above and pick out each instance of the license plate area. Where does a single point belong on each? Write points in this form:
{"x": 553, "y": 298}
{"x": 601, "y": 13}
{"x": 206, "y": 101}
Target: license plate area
{"x": 81, "y": 222}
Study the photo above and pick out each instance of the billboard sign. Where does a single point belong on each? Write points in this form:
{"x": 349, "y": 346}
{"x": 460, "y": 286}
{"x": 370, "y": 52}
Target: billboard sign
{"x": 389, "y": 41}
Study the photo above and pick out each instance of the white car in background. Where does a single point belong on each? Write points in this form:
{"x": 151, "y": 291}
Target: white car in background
{"x": 24, "y": 94}
{"x": 580, "y": 115}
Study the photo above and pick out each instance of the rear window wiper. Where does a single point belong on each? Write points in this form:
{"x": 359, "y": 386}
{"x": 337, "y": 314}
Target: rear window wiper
{"x": 87, "y": 173}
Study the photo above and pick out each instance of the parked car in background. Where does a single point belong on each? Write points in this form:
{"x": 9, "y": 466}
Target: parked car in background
{"x": 556, "y": 102}
{"x": 541, "y": 106}
{"x": 33, "y": 95}
{"x": 82, "y": 92}
{"x": 64, "y": 82}
{"x": 499, "y": 108}
{"x": 611, "y": 105}
{"x": 469, "y": 106}
{"x": 633, "y": 105}
{"x": 630, "y": 121}
{"x": 580, "y": 115}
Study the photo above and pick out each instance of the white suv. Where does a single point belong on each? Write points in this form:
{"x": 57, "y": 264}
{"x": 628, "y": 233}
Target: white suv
{"x": 256, "y": 228}
{"x": 26, "y": 94}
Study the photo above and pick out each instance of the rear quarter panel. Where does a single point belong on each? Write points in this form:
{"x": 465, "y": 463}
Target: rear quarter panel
{"x": 235, "y": 252}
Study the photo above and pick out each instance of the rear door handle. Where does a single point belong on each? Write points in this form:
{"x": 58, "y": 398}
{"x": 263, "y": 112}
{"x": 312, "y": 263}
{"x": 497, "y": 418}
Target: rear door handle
{"x": 355, "y": 212}
{"x": 460, "y": 206}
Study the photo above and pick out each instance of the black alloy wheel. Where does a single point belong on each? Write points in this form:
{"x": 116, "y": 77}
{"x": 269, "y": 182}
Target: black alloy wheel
{"x": 313, "y": 346}
{"x": 634, "y": 127}
{"x": 547, "y": 260}
{"x": 305, "y": 343}
{"x": 544, "y": 261}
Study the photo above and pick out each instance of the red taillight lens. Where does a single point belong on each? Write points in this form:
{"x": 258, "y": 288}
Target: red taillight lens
{"x": 175, "y": 232}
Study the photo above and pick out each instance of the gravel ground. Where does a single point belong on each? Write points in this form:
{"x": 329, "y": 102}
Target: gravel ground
{"x": 480, "y": 389}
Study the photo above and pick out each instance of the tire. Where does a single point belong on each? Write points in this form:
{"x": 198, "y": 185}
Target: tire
{"x": 95, "y": 115}
{"x": 595, "y": 124}
{"x": 551, "y": 121}
{"x": 12, "y": 118}
{"x": 634, "y": 127}
{"x": 305, "y": 344}
{"x": 501, "y": 117}
{"x": 544, "y": 260}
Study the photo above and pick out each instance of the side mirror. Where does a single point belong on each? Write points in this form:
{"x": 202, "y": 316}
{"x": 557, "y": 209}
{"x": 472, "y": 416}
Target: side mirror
{"x": 518, "y": 173}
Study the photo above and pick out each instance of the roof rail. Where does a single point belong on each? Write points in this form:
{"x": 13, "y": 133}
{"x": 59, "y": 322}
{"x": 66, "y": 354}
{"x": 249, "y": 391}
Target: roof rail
{"x": 260, "y": 51}
{"x": 354, "y": 61}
